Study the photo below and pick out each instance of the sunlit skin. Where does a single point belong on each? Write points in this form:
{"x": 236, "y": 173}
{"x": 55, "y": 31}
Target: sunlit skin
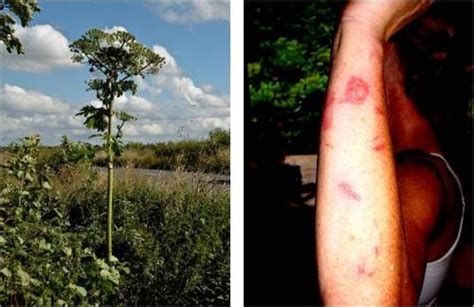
{"x": 374, "y": 216}
{"x": 356, "y": 171}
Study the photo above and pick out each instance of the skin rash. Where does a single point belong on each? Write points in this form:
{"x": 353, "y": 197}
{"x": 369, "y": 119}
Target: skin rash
{"x": 379, "y": 111}
{"x": 355, "y": 93}
{"x": 379, "y": 147}
{"x": 363, "y": 271}
{"x": 348, "y": 191}
{"x": 376, "y": 251}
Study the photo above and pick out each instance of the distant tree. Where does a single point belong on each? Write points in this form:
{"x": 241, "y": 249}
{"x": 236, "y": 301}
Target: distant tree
{"x": 24, "y": 10}
{"x": 219, "y": 137}
{"x": 117, "y": 57}
{"x": 287, "y": 50}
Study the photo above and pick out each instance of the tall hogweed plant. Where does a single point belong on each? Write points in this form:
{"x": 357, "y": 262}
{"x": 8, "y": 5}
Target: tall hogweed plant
{"x": 117, "y": 58}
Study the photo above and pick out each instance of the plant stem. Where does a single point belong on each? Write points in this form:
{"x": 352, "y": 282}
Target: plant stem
{"x": 110, "y": 177}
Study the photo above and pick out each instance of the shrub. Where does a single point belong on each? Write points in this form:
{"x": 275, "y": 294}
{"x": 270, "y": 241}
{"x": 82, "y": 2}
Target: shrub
{"x": 42, "y": 259}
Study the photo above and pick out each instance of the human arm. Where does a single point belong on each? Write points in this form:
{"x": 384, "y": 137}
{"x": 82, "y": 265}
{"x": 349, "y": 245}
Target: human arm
{"x": 361, "y": 249}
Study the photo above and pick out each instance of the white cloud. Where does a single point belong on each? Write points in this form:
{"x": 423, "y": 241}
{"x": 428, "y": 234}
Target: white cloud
{"x": 184, "y": 87}
{"x": 181, "y": 107}
{"x": 134, "y": 104}
{"x": 207, "y": 88}
{"x": 170, "y": 68}
{"x": 115, "y": 29}
{"x": 144, "y": 129}
{"x": 171, "y": 78}
{"x": 50, "y": 127}
{"x": 26, "y": 112}
{"x": 194, "y": 11}
{"x": 45, "y": 49}
{"x": 19, "y": 100}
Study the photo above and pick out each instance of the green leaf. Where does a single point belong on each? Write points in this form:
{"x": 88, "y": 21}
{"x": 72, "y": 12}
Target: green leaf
{"x": 67, "y": 251}
{"x": 82, "y": 292}
{"x": 46, "y": 185}
{"x": 78, "y": 289}
{"x": 58, "y": 213}
{"x": 44, "y": 245}
{"x": 101, "y": 263}
{"x": 2, "y": 241}
{"x": 113, "y": 259}
{"x": 90, "y": 122}
{"x": 124, "y": 116}
{"x": 112, "y": 276}
{"x": 24, "y": 10}
{"x": 28, "y": 177}
{"x": 24, "y": 277}
{"x": 35, "y": 282}
{"x": 6, "y": 272}
{"x": 104, "y": 274}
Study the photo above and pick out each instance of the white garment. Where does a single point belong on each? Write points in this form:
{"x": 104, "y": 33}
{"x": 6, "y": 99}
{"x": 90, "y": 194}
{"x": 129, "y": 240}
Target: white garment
{"x": 436, "y": 271}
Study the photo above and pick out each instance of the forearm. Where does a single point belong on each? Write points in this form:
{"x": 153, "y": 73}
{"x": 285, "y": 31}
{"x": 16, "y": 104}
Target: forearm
{"x": 359, "y": 234}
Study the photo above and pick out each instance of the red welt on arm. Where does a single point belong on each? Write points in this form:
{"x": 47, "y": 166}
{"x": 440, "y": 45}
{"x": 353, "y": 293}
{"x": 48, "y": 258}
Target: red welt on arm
{"x": 379, "y": 147}
{"x": 348, "y": 191}
{"x": 356, "y": 91}
{"x": 379, "y": 111}
{"x": 376, "y": 250}
{"x": 363, "y": 271}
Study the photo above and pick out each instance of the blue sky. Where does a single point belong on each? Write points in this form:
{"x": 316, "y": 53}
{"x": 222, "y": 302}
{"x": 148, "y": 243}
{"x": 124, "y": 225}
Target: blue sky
{"x": 42, "y": 90}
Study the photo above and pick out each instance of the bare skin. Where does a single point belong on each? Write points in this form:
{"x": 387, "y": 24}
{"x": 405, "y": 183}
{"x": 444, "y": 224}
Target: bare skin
{"x": 374, "y": 216}
{"x": 422, "y": 194}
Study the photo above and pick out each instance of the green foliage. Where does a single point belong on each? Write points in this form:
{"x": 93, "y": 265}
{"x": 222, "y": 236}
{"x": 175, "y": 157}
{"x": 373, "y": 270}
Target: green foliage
{"x": 75, "y": 152}
{"x": 211, "y": 155}
{"x": 23, "y": 10}
{"x": 118, "y": 56}
{"x": 117, "y": 53}
{"x": 288, "y": 50}
{"x": 43, "y": 260}
{"x": 219, "y": 138}
{"x": 174, "y": 238}
{"x": 178, "y": 244}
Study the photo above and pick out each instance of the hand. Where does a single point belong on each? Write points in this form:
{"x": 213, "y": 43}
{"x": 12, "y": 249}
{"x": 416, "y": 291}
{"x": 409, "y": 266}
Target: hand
{"x": 384, "y": 18}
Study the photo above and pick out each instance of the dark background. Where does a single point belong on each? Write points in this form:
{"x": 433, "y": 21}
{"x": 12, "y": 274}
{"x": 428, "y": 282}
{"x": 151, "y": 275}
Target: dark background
{"x": 287, "y": 56}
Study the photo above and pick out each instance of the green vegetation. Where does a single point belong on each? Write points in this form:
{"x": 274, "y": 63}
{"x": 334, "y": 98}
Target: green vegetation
{"x": 118, "y": 57}
{"x": 209, "y": 156}
{"x": 172, "y": 239}
{"x": 24, "y": 11}
{"x": 44, "y": 259}
{"x": 287, "y": 49}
